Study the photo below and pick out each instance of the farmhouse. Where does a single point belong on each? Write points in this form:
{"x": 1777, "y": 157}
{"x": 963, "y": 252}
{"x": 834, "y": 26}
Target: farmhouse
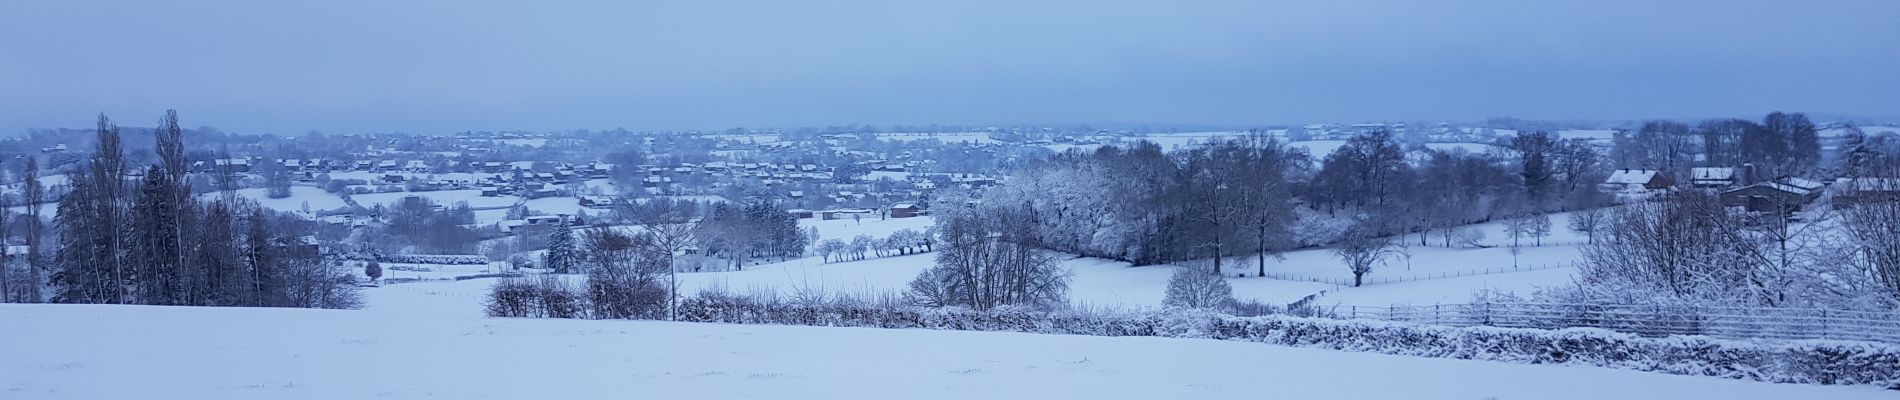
{"x": 906, "y": 210}
{"x": 1711, "y": 177}
{"x": 1636, "y": 180}
{"x": 1770, "y": 196}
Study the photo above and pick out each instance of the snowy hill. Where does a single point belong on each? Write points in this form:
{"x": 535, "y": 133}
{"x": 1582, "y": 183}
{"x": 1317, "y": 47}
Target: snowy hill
{"x": 171, "y": 353}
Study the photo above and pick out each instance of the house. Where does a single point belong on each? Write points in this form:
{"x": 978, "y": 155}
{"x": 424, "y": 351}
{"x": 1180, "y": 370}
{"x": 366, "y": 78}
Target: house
{"x": 1636, "y": 180}
{"x": 1803, "y": 183}
{"x": 1854, "y": 191}
{"x": 847, "y": 213}
{"x": 1711, "y": 177}
{"x": 1769, "y": 196}
{"x": 490, "y": 191}
{"x": 599, "y": 201}
{"x": 906, "y": 210}
{"x": 238, "y": 165}
{"x": 536, "y": 221}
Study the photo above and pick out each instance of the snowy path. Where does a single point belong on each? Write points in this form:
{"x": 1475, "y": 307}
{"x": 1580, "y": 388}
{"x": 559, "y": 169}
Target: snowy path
{"x": 118, "y": 352}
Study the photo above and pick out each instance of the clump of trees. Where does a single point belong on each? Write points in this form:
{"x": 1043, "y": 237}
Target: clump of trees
{"x": 1687, "y": 248}
{"x": 1146, "y": 206}
{"x": 148, "y": 241}
{"x": 756, "y": 229}
{"x": 1256, "y": 196}
{"x": 990, "y": 255}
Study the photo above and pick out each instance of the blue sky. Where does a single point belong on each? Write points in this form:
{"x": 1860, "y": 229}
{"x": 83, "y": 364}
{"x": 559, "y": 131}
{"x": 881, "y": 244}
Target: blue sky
{"x": 441, "y": 66}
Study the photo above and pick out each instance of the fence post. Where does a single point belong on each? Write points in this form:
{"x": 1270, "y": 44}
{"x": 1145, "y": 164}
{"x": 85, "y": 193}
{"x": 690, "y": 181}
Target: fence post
{"x": 1355, "y": 312}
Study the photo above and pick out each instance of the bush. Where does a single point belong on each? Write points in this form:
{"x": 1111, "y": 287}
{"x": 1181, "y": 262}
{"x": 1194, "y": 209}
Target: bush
{"x": 1813, "y": 362}
{"x": 445, "y": 259}
{"x": 545, "y": 297}
{"x": 1196, "y": 287}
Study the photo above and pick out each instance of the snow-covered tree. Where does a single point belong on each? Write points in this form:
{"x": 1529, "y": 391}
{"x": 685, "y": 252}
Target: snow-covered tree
{"x": 373, "y": 270}
{"x": 563, "y": 255}
{"x": 1195, "y": 287}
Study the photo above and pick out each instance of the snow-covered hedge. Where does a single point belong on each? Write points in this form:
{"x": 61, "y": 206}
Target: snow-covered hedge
{"x": 445, "y": 259}
{"x": 1821, "y": 362}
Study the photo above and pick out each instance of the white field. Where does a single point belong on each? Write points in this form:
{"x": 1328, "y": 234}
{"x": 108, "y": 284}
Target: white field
{"x": 1106, "y": 283}
{"x": 961, "y": 137}
{"x": 1471, "y": 148}
{"x": 845, "y": 229}
{"x": 1602, "y": 135}
{"x": 55, "y": 352}
{"x": 317, "y": 199}
{"x": 443, "y": 197}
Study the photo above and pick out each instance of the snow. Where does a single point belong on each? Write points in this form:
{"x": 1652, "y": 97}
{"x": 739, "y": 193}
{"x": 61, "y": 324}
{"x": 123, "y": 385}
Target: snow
{"x": 846, "y": 228}
{"x": 93, "y": 351}
{"x": 1172, "y": 141}
{"x": 442, "y": 197}
{"x": 1588, "y": 134}
{"x": 1444, "y": 291}
{"x": 1436, "y": 275}
{"x": 299, "y": 195}
{"x": 964, "y": 137}
{"x": 1469, "y": 148}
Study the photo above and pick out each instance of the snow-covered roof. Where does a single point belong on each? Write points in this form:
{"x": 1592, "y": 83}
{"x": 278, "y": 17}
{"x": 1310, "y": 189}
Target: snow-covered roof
{"x": 1773, "y": 185}
{"x": 1711, "y": 173}
{"x": 1803, "y": 183}
{"x": 1631, "y": 176}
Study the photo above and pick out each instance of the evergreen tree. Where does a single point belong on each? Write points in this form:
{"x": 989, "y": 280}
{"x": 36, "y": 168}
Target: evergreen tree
{"x": 562, "y": 256}
{"x": 1535, "y": 149}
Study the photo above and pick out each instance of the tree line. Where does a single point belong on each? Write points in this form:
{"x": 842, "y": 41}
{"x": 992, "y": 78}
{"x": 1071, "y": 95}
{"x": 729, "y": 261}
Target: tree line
{"x": 130, "y": 235}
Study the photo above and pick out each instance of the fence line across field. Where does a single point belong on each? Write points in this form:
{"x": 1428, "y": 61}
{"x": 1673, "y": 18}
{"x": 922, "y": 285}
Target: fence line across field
{"x": 1649, "y": 320}
{"x": 1374, "y": 279}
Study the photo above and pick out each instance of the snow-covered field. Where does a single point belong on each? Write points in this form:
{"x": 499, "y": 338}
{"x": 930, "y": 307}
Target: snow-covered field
{"x": 122, "y": 352}
{"x": 300, "y": 197}
{"x": 845, "y": 229}
{"x": 1106, "y": 283}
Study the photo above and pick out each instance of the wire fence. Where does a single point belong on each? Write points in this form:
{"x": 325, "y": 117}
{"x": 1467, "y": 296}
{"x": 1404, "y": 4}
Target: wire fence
{"x": 1646, "y": 320}
{"x": 1375, "y": 279}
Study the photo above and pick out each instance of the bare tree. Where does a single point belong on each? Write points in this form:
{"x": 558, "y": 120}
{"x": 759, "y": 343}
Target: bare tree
{"x": 672, "y": 227}
{"x": 1537, "y": 226}
{"x": 1197, "y": 287}
{"x": 1362, "y": 250}
{"x": 990, "y": 258}
{"x": 1588, "y": 222}
{"x": 1874, "y": 230}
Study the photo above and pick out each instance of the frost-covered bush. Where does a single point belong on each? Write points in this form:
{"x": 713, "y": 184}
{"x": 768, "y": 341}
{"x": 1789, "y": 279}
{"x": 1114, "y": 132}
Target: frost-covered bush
{"x": 546, "y": 297}
{"x": 1820, "y": 362}
{"x": 445, "y": 259}
{"x": 1195, "y": 287}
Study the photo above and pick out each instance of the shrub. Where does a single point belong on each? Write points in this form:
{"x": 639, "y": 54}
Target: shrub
{"x": 1813, "y": 362}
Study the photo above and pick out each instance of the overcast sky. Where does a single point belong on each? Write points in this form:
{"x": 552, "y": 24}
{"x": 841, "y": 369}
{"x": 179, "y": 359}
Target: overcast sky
{"x": 443, "y": 66}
